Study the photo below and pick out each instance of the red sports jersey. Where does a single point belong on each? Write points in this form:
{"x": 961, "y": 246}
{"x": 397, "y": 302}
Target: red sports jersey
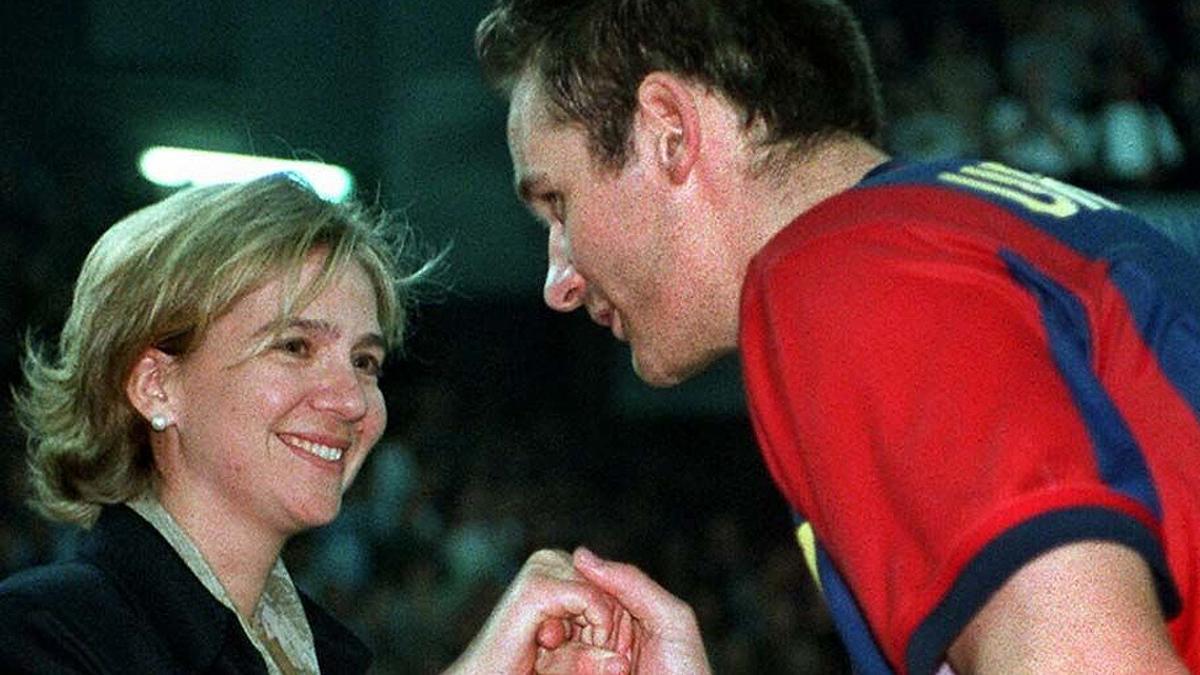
{"x": 953, "y": 368}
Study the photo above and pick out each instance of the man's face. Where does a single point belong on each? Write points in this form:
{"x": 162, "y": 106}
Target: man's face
{"x": 616, "y": 244}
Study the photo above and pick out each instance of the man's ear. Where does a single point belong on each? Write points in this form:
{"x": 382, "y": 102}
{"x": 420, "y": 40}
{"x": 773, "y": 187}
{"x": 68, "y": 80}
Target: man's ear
{"x": 147, "y": 386}
{"x": 668, "y": 111}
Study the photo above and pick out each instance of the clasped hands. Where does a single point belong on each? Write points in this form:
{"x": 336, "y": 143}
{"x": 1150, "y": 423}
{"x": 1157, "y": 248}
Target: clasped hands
{"x": 585, "y": 615}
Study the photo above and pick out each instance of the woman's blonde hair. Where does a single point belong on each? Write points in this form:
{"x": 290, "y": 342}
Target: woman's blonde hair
{"x": 159, "y": 278}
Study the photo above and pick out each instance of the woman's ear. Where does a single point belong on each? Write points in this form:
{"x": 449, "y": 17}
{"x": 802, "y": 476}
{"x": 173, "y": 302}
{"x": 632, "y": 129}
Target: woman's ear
{"x": 147, "y": 387}
{"x": 668, "y": 110}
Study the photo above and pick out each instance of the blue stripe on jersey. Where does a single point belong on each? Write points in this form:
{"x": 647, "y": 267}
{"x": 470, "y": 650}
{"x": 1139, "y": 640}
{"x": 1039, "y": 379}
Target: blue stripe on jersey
{"x": 1172, "y": 334}
{"x": 865, "y": 654}
{"x": 1160, "y": 283}
{"x": 1097, "y": 228}
{"x": 1118, "y": 456}
{"x": 1159, "y": 278}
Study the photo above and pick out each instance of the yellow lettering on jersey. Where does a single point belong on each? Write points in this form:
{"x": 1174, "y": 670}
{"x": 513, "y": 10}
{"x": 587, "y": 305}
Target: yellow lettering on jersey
{"x": 1088, "y": 200}
{"x": 1028, "y": 189}
{"x": 1059, "y": 207}
{"x": 808, "y": 544}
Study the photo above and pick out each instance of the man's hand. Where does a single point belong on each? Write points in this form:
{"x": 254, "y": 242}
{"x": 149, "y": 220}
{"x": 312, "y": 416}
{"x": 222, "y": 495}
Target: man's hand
{"x": 552, "y": 620}
{"x": 666, "y": 636}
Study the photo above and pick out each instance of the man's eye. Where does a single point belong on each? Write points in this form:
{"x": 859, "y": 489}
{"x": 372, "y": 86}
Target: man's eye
{"x": 560, "y": 208}
{"x": 554, "y": 205}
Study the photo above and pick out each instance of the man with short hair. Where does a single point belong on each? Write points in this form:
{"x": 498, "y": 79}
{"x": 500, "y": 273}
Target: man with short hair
{"x": 978, "y": 388}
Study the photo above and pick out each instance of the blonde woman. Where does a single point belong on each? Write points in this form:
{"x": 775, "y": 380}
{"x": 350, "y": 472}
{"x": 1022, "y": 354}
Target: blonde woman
{"x": 214, "y": 392}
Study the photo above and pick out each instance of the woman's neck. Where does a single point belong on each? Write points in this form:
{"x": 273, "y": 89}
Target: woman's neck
{"x": 239, "y": 552}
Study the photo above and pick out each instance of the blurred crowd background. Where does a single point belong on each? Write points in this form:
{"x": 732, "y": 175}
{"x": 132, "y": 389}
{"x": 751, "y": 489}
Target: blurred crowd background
{"x": 514, "y": 429}
{"x": 1105, "y": 92}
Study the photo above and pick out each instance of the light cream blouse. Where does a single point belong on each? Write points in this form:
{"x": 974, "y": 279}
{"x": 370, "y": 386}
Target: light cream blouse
{"x": 279, "y": 629}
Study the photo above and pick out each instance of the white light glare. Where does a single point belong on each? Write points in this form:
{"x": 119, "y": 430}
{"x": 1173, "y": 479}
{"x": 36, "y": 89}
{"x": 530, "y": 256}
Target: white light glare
{"x": 176, "y": 167}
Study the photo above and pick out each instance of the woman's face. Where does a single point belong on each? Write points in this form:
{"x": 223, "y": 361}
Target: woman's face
{"x": 272, "y": 437}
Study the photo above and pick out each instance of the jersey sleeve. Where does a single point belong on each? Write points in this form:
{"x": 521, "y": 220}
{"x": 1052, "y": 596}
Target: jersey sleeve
{"x": 922, "y": 397}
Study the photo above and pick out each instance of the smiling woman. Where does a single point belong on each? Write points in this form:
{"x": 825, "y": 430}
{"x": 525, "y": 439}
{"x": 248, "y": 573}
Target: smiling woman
{"x": 214, "y": 392}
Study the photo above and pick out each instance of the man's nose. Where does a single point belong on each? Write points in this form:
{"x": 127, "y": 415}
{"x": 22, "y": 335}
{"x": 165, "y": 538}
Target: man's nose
{"x": 565, "y": 288}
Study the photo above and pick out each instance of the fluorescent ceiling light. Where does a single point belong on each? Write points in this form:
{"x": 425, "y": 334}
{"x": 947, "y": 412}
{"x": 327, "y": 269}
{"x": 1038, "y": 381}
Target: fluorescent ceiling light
{"x": 177, "y": 167}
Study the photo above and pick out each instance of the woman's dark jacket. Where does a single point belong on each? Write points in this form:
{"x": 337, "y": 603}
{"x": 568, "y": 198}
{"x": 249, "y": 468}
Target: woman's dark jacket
{"x": 127, "y": 603}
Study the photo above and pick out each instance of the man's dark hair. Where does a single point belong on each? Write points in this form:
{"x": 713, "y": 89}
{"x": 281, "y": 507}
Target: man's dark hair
{"x": 802, "y": 67}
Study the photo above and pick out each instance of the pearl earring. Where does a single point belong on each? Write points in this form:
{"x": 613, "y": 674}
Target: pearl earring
{"x": 159, "y": 422}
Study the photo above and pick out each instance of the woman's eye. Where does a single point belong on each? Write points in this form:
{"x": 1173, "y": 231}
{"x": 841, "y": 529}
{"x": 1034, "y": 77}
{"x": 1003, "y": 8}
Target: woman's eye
{"x": 369, "y": 365}
{"x": 294, "y": 346}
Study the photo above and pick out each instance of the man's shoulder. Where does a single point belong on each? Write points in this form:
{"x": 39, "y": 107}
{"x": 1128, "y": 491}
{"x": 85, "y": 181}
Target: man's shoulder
{"x": 891, "y": 192}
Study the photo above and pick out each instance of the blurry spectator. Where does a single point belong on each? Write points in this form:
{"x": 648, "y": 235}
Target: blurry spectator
{"x": 963, "y": 83}
{"x": 919, "y": 128}
{"x": 418, "y": 618}
{"x": 481, "y": 544}
{"x": 894, "y": 56}
{"x": 1137, "y": 142}
{"x": 1185, "y": 102}
{"x": 1032, "y": 131}
{"x": 1124, "y": 33}
{"x": 1053, "y": 38}
{"x": 399, "y": 507}
{"x": 1182, "y": 100}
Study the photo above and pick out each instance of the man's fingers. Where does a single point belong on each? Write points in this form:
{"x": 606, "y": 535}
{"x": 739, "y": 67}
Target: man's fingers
{"x": 550, "y": 604}
{"x": 582, "y": 659}
{"x": 642, "y": 596}
{"x": 623, "y": 632}
{"x": 552, "y": 591}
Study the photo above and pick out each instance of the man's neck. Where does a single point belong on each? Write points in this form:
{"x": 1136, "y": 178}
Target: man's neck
{"x": 830, "y": 168}
{"x": 742, "y": 209}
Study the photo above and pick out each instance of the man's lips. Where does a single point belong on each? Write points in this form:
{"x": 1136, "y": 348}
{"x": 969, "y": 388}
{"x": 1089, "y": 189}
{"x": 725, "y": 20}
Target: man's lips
{"x": 611, "y": 319}
{"x": 618, "y": 327}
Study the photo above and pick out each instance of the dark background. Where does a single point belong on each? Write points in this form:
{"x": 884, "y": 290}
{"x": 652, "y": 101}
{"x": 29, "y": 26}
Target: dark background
{"x": 514, "y": 428}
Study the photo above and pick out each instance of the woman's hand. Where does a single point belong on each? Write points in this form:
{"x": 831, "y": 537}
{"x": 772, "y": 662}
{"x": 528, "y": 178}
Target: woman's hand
{"x": 551, "y": 620}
